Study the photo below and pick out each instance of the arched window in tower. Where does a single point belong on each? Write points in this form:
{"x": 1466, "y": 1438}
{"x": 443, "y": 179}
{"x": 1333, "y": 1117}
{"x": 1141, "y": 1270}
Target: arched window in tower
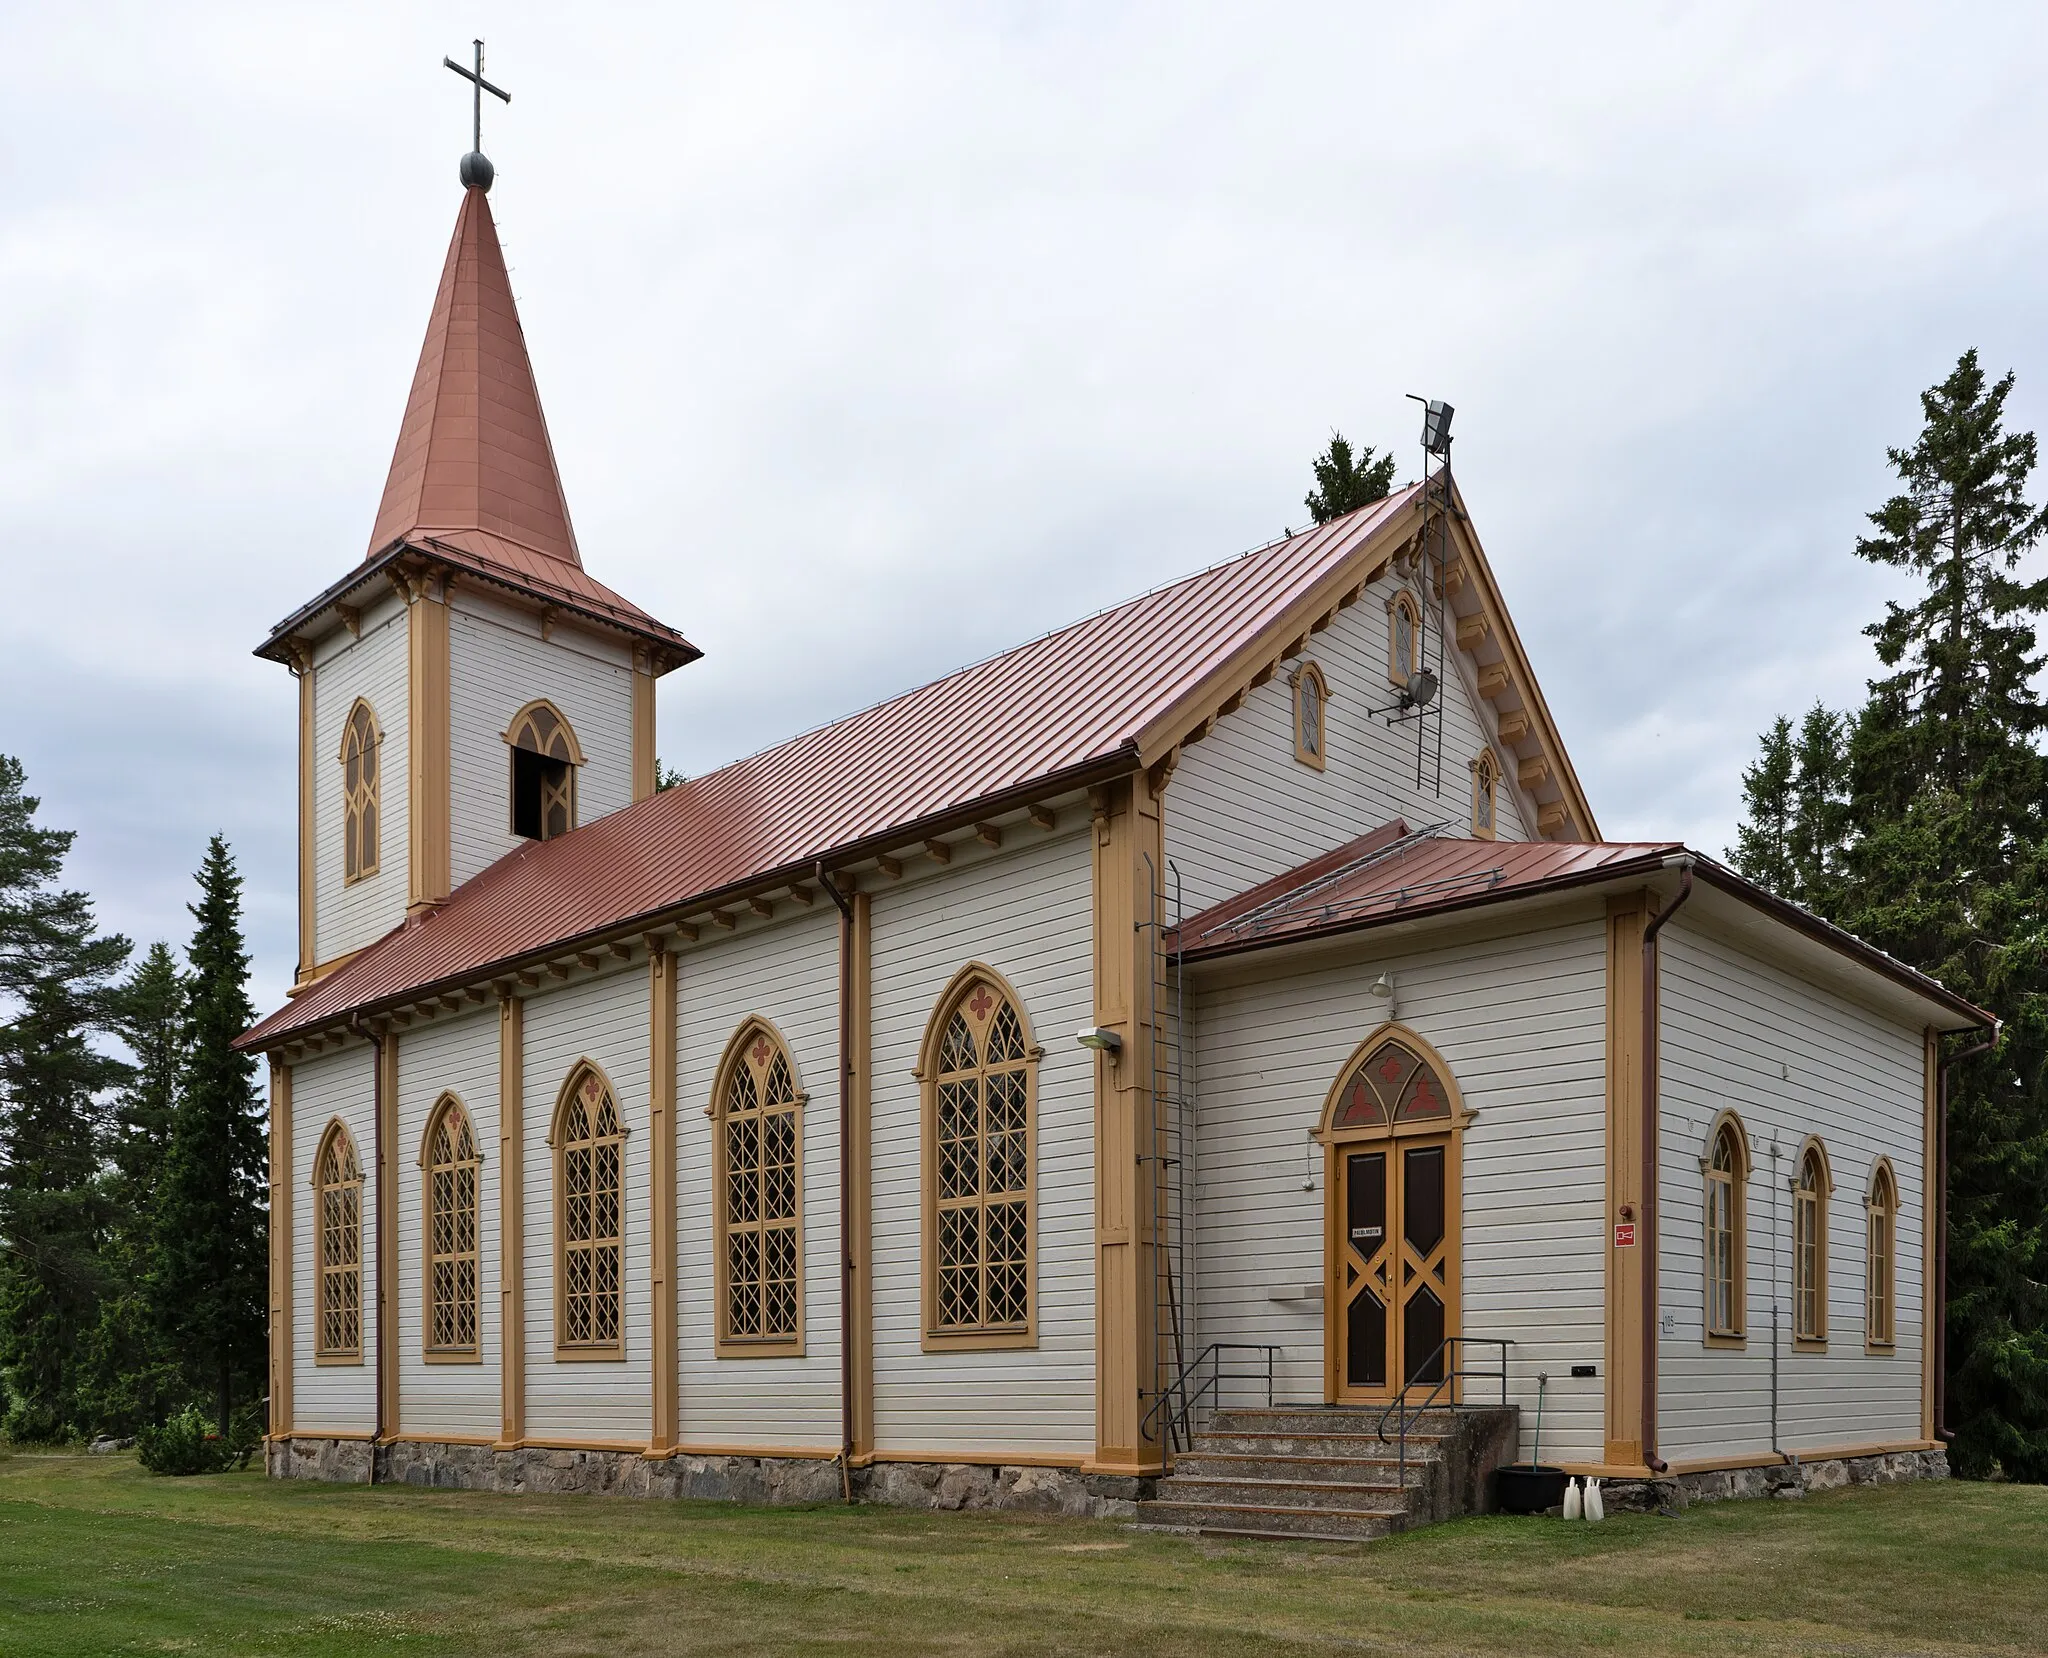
{"x": 1404, "y": 636}
{"x": 545, "y": 755}
{"x": 338, "y": 1248}
{"x": 1311, "y": 706}
{"x": 361, "y": 741}
{"x": 758, "y": 1183}
{"x": 1485, "y": 785}
{"x": 1881, "y": 1243}
{"x": 1810, "y": 1247}
{"x": 979, "y": 1073}
{"x": 589, "y": 1154}
{"x": 450, "y": 1163}
{"x": 1727, "y": 1174}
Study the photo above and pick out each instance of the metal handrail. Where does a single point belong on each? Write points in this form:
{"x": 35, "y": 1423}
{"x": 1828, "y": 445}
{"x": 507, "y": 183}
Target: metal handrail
{"x": 1173, "y": 1411}
{"x": 1405, "y": 1418}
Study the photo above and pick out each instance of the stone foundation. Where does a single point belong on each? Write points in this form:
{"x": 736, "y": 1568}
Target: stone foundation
{"x": 732, "y": 1479}
{"x": 1781, "y": 1480}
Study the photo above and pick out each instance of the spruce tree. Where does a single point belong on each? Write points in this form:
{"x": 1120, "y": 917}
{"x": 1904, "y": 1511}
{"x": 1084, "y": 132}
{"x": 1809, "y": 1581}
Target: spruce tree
{"x": 55, "y": 978}
{"x": 133, "y": 1375}
{"x": 211, "y": 1253}
{"x": 1919, "y": 824}
{"x": 1763, "y": 842}
{"x": 1345, "y": 482}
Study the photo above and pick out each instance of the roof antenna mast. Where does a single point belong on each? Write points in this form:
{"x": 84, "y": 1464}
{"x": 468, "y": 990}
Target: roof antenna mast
{"x": 477, "y": 171}
{"x": 1418, "y": 700}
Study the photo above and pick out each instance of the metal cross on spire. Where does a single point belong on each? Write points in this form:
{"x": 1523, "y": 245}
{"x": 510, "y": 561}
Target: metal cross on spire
{"x": 477, "y": 171}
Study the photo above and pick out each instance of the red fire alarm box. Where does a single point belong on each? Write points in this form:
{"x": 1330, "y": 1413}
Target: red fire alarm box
{"x": 1624, "y": 1234}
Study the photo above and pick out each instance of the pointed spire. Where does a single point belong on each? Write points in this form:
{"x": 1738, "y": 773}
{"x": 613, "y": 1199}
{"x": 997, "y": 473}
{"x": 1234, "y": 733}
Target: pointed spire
{"x": 473, "y": 452}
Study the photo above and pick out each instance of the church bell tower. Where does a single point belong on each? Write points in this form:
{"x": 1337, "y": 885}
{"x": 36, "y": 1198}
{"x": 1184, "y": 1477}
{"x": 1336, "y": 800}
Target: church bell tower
{"x": 469, "y": 687}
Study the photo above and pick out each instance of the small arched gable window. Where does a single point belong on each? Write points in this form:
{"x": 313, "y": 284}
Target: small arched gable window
{"x": 1810, "y": 1246}
{"x": 1404, "y": 637}
{"x": 1485, "y": 783}
{"x": 589, "y": 1143}
{"x": 545, "y": 755}
{"x": 758, "y": 1186}
{"x": 338, "y": 1249}
{"x": 1727, "y": 1222}
{"x": 1311, "y": 716}
{"x": 980, "y": 1075}
{"x": 1880, "y": 1264}
{"x": 450, "y": 1163}
{"x": 362, "y": 739}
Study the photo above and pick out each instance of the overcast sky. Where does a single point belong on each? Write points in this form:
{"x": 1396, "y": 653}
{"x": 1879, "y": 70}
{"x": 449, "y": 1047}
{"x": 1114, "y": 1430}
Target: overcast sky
{"x": 873, "y": 339}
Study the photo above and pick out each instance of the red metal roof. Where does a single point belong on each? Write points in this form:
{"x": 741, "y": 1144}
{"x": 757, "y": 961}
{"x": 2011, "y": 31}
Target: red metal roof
{"x": 1391, "y": 874}
{"x": 1394, "y": 875}
{"x": 473, "y": 450}
{"x": 1066, "y": 708}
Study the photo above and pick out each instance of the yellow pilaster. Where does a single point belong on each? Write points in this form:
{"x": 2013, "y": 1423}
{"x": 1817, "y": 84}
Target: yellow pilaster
{"x": 280, "y": 1249}
{"x": 1626, "y": 1240}
{"x": 661, "y": 1127}
{"x": 511, "y": 1221}
{"x": 428, "y": 745}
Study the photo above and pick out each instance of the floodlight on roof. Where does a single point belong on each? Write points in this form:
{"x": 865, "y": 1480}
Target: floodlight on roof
{"x": 1436, "y": 427}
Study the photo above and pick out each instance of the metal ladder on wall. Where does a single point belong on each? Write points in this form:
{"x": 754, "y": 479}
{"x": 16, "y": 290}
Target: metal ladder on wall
{"x": 1171, "y": 1138}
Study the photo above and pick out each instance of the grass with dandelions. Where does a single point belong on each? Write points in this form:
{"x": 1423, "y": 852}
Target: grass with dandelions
{"x": 97, "y": 1557}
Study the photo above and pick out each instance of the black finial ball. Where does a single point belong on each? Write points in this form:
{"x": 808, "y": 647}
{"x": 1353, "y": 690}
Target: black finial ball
{"x": 477, "y": 171}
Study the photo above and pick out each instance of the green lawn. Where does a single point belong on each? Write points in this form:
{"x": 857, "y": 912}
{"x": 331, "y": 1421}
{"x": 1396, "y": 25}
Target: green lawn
{"x": 97, "y": 1557}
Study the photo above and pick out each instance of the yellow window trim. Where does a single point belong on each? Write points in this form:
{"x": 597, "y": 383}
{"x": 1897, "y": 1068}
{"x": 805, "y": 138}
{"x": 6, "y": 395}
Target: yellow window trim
{"x": 1812, "y": 1198}
{"x": 958, "y": 997}
{"x": 1486, "y": 792}
{"x": 1881, "y": 1197}
{"x": 598, "y": 1348}
{"x": 740, "y": 1052}
{"x": 1735, "y": 1334}
{"x": 364, "y": 803}
{"x": 450, "y": 1109}
{"x": 1402, "y": 602}
{"x": 1311, "y": 715}
{"x": 346, "y": 1182}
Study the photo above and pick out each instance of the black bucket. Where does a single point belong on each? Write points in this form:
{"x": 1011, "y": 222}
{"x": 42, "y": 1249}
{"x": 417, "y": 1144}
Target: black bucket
{"x": 1528, "y": 1487}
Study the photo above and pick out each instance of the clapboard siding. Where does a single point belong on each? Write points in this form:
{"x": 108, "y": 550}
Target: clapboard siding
{"x": 604, "y": 1020}
{"x": 498, "y": 664}
{"x": 458, "y": 1056}
{"x": 1520, "y": 1020}
{"x": 1241, "y": 809}
{"x": 787, "y": 974}
{"x": 1028, "y": 914}
{"x": 332, "y": 1398}
{"x": 372, "y": 667}
{"x": 1793, "y": 1058}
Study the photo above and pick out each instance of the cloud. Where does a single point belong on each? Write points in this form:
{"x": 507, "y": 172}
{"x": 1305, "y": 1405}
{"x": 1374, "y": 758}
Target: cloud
{"x": 875, "y": 339}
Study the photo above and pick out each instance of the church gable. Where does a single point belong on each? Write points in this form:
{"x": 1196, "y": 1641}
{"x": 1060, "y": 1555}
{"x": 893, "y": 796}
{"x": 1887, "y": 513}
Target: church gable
{"x": 1247, "y": 802}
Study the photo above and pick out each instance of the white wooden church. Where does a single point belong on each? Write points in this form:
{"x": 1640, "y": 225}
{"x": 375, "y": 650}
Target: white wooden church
{"x": 958, "y": 1103}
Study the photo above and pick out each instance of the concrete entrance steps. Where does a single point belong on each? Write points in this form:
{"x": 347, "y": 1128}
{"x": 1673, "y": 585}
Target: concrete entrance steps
{"x": 1322, "y": 1473}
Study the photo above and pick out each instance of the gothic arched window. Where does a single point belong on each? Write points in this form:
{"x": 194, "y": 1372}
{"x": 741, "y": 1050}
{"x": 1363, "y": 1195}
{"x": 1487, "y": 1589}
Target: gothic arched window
{"x": 450, "y": 1164}
{"x": 1311, "y": 711}
{"x": 589, "y": 1144}
{"x": 1881, "y": 1242}
{"x": 1485, "y": 783}
{"x": 545, "y": 755}
{"x": 979, "y": 1073}
{"x": 1404, "y": 637}
{"x": 338, "y": 1249}
{"x": 361, "y": 742}
{"x": 758, "y": 1186}
{"x": 1810, "y": 1247}
{"x": 1727, "y": 1179}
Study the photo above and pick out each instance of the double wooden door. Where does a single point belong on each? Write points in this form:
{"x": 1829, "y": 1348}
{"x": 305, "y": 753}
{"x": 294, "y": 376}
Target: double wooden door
{"x": 1393, "y": 1288}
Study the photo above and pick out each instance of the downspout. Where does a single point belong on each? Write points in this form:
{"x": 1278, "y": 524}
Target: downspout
{"x": 846, "y": 1262}
{"x": 355, "y": 1023}
{"x": 1942, "y": 1431}
{"x": 1648, "y": 1136}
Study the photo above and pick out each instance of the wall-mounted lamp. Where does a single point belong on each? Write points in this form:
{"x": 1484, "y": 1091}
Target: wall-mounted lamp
{"x": 1102, "y": 1040}
{"x": 1383, "y": 990}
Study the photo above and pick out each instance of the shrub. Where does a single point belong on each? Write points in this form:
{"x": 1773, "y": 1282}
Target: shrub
{"x": 189, "y": 1444}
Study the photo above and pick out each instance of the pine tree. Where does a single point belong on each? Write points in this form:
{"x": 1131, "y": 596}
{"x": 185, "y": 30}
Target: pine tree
{"x": 1763, "y": 843}
{"x": 133, "y": 1377}
{"x": 1344, "y": 483}
{"x": 55, "y": 977}
{"x": 211, "y": 1265}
